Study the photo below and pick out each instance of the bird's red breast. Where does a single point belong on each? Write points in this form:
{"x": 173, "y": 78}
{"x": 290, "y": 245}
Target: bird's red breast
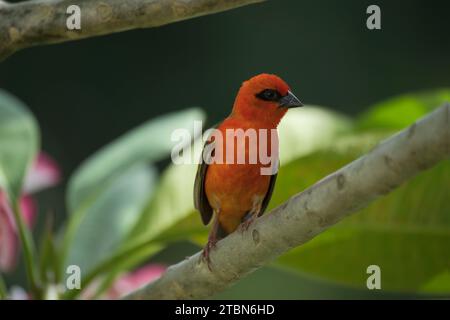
{"x": 233, "y": 189}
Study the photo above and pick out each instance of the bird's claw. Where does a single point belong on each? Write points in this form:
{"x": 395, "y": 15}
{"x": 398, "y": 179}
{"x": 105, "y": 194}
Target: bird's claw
{"x": 206, "y": 252}
{"x": 246, "y": 224}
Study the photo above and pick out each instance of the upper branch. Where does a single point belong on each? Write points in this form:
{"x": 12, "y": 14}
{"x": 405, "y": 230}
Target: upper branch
{"x": 309, "y": 213}
{"x": 37, "y": 22}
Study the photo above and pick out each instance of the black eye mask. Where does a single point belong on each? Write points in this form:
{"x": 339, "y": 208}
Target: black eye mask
{"x": 269, "y": 95}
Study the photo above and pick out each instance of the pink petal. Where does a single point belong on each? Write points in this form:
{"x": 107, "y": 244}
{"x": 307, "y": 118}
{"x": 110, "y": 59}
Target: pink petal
{"x": 8, "y": 237}
{"x": 29, "y": 210}
{"x": 132, "y": 281}
{"x": 43, "y": 174}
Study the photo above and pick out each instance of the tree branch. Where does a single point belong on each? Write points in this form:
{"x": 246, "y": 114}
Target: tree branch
{"x": 38, "y": 22}
{"x": 309, "y": 213}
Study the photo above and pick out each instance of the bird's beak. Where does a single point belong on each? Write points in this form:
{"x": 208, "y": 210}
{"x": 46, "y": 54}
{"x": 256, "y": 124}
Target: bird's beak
{"x": 290, "y": 101}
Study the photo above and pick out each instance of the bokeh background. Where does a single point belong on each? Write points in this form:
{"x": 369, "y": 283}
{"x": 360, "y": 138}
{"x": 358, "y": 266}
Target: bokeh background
{"x": 87, "y": 93}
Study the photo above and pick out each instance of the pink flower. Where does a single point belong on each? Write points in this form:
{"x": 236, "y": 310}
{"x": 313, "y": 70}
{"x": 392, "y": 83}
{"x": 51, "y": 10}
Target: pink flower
{"x": 8, "y": 239}
{"x": 44, "y": 173}
{"x": 132, "y": 281}
{"x": 127, "y": 282}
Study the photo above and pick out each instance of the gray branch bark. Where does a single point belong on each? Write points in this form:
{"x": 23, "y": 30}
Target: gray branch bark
{"x": 38, "y": 22}
{"x": 309, "y": 213}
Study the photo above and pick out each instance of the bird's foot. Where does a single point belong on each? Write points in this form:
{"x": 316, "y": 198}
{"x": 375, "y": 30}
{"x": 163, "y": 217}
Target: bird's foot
{"x": 207, "y": 250}
{"x": 246, "y": 224}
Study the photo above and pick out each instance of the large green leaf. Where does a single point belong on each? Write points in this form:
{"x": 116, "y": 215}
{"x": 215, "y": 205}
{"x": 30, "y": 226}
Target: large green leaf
{"x": 171, "y": 203}
{"x": 105, "y": 195}
{"x": 399, "y": 112}
{"x": 149, "y": 142}
{"x": 19, "y": 139}
{"x": 110, "y": 217}
{"x": 167, "y": 206}
{"x": 308, "y": 129}
{"x": 405, "y": 233}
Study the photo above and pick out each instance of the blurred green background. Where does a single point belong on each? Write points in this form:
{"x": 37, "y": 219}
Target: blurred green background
{"x": 87, "y": 93}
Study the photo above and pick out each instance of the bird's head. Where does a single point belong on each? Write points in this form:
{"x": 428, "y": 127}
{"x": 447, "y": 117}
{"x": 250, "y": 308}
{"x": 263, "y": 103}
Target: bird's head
{"x": 264, "y": 98}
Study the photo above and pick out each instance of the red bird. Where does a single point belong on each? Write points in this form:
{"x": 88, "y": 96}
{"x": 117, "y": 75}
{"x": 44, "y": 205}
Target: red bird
{"x": 238, "y": 192}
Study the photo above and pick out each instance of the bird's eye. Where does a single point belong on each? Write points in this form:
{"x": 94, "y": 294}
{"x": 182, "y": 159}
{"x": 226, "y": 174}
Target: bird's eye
{"x": 269, "y": 95}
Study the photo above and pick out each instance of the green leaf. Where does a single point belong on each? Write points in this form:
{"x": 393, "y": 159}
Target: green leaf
{"x": 19, "y": 139}
{"x": 48, "y": 258}
{"x": 109, "y": 219}
{"x": 3, "y": 288}
{"x": 123, "y": 259}
{"x": 171, "y": 203}
{"x": 439, "y": 284}
{"x": 406, "y": 233}
{"x": 308, "y": 129}
{"x": 104, "y": 182}
{"x": 401, "y": 111}
{"x": 149, "y": 142}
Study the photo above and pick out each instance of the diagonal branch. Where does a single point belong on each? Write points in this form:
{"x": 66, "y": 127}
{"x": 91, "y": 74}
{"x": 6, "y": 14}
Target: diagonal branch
{"x": 38, "y": 22}
{"x": 309, "y": 213}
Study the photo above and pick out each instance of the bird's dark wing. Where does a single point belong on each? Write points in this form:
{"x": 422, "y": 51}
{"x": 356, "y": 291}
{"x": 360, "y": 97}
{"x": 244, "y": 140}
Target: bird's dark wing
{"x": 268, "y": 196}
{"x": 201, "y": 202}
